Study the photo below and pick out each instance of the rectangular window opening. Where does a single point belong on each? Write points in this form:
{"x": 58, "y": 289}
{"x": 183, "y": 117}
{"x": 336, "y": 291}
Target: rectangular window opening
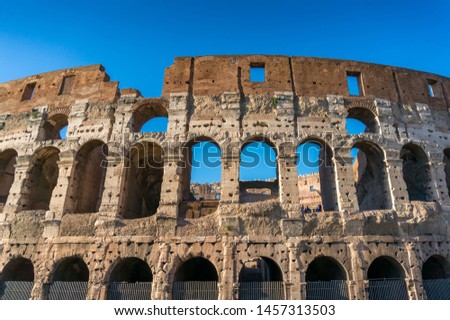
{"x": 257, "y": 72}
{"x": 432, "y": 88}
{"x": 66, "y": 85}
{"x": 28, "y": 92}
{"x": 354, "y": 83}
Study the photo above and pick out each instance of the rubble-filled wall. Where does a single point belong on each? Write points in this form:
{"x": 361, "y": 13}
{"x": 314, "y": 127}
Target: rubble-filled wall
{"x": 91, "y": 205}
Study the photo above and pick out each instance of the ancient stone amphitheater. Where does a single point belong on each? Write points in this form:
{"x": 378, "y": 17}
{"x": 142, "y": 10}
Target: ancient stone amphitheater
{"x": 108, "y": 213}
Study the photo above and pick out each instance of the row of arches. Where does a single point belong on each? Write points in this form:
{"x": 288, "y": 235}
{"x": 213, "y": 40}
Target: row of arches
{"x": 145, "y": 169}
{"x": 197, "y": 278}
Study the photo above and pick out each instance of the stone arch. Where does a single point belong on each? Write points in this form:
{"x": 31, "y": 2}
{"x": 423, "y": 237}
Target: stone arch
{"x": 436, "y": 278}
{"x": 53, "y": 125}
{"x": 17, "y": 279}
{"x": 42, "y": 179}
{"x": 144, "y": 176}
{"x": 88, "y": 177}
{"x": 326, "y": 173}
{"x": 386, "y": 279}
{"x": 195, "y": 278}
{"x": 326, "y": 280}
{"x": 199, "y": 191}
{"x": 416, "y": 173}
{"x": 258, "y": 189}
{"x": 371, "y": 177}
{"x": 69, "y": 279}
{"x": 365, "y": 115}
{"x": 146, "y": 110}
{"x": 7, "y": 170}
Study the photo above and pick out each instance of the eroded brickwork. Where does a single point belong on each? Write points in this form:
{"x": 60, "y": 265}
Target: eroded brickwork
{"x": 89, "y": 197}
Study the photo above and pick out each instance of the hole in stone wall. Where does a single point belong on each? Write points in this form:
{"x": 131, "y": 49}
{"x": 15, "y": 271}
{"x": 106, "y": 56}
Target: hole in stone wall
{"x": 361, "y": 120}
{"x": 18, "y": 269}
{"x": 257, "y": 72}
{"x": 416, "y": 173}
{"x": 354, "y": 83}
{"x": 436, "y": 267}
{"x": 258, "y": 171}
{"x": 315, "y": 177}
{"x": 55, "y": 127}
{"x": 71, "y": 269}
{"x": 260, "y": 269}
{"x": 131, "y": 270}
{"x": 385, "y": 268}
{"x": 144, "y": 180}
{"x": 7, "y": 163}
{"x": 88, "y": 176}
{"x": 42, "y": 179}
{"x": 66, "y": 85}
{"x": 28, "y": 91}
{"x": 196, "y": 269}
{"x": 433, "y": 89}
{"x": 151, "y": 117}
{"x": 325, "y": 269}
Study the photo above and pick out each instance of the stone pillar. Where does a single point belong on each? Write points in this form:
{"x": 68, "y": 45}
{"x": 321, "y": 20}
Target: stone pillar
{"x": 230, "y": 180}
{"x": 399, "y": 191}
{"x": 228, "y": 275}
{"x": 161, "y": 289}
{"x": 19, "y": 186}
{"x": 356, "y": 276}
{"x": 346, "y": 191}
{"x": 289, "y": 184}
{"x": 414, "y": 274}
{"x": 292, "y": 284}
{"x": 171, "y": 187}
{"x": 439, "y": 181}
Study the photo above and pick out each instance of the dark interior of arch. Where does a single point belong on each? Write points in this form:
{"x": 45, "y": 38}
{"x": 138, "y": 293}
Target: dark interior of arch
{"x": 90, "y": 171}
{"x": 18, "y": 269}
{"x": 416, "y": 173}
{"x": 385, "y": 267}
{"x": 447, "y": 168}
{"x": 145, "y": 113}
{"x": 324, "y": 269}
{"x": 365, "y": 116}
{"x": 259, "y": 270}
{"x": 196, "y": 269}
{"x": 71, "y": 269}
{"x": 43, "y": 178}
{"x": 53, "y": 126}
{"x": 371, "y": 179}
{"x": 144, "y": 180}
{"x": 7, "y": 162}
{"x": 435, "y": 267}
{"x": 131, "y": 270}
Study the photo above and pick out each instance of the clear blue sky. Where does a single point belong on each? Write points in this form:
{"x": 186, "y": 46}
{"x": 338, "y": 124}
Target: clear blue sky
{"x": 135, "y": 40}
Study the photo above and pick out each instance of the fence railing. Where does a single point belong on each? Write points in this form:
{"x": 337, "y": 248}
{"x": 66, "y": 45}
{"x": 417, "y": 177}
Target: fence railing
{"x": 129, "y": 291}
{"x": 195, "y": 290}
{"x": 67, "y": 290}
{"x": 437, "y": 289}
{"x": 267, "y": 290}
{"x": 327, "y": 290}
{"x": 15, "y": 290}
{"x": 387, "y": 289}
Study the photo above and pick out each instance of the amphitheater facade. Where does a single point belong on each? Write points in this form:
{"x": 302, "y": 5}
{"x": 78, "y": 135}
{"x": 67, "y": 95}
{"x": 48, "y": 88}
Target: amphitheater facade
{"x": 108, "y": 214}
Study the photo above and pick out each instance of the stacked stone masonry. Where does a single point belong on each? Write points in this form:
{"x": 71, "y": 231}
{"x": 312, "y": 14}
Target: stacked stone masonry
{"x": 87, "y": 200}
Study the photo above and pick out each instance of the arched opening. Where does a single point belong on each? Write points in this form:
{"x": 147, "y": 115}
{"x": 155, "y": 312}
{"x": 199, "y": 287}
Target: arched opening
{"x": 131, "y": 279}
{"x": 42, "y": 179}
{"x": 371, "y": 177}
{"x": 386, "y": 280}
{"x": 258, "y": 171}
{"x": 70, "y": 280}
{"x": 55, "y": 127}
{"x": 88, "y": 177}
{"x": 416, "y": 173}
{"x": 447, "y": 168}
{"x": 150, "y": 117}
{"x": 361, "y": 120}
{"x": 195, "y": 279}
{"x": 7, "y": 167}
{"x": 316, "y": 183}
{"x": 201, "y": 178}
{"x": 326, "y": 280}
{"x": 261, "y": 279}
{"x": 17, "y": 279}
{"x": 436, "y": 278}
{"x": 143, "y": 180}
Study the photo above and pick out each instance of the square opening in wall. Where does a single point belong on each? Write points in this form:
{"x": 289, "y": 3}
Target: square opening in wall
{"x": 354, "y": 83}
{"x": 28, "y": 92}
{"x": 432, "y": 88}
{"x": 66, "y": 85}
{"x": 257, "y": 72}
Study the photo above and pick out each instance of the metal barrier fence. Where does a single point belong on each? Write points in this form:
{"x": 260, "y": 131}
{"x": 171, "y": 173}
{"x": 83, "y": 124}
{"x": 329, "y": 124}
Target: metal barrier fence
{"x": 387, "y": 289}
{"x": 327, "y": 290}
{"x": 15, "y": 290}
{"x": 437, "y": 289}
{"x": 129, "y": 291}
{"x": 267, "y": 290}
{"x": 67, "y": 290}
{"x": 195, "y": 290}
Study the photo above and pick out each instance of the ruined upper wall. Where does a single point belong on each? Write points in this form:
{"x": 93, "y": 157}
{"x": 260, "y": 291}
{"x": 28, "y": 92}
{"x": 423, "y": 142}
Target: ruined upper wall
{"x": 213, "y": 75}
{"x": 90, "y": 82}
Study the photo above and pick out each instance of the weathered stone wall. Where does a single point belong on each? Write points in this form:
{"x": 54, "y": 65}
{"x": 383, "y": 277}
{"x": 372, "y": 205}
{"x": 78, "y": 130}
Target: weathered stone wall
{"x": 212, "y": 98}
